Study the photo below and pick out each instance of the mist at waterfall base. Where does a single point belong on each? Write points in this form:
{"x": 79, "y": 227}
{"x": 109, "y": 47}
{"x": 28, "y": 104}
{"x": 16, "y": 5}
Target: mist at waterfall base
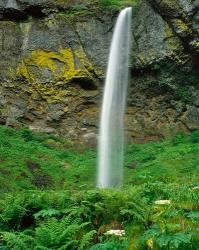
{"x": 111, "y": 135}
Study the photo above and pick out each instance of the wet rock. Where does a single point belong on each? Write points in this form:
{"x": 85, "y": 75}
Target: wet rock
{"x": 53, "y": 66}
{"x": 181, "y": 28}
{"x": 194, "y": 45}
{"x": 191, "y": 118}
{"x": 132, "y": 165}
{"x": 182, "y": 15}
{"x": 90, "y": 139}
{"x": 161, "y": 41}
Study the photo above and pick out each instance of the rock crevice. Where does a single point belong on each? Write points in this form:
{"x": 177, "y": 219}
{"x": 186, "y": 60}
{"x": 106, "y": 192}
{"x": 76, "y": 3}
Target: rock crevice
{"x": 53, "y": 63}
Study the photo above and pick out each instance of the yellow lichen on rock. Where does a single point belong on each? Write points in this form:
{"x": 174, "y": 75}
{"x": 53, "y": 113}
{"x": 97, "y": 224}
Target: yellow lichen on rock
{"x": 195, "y": 44}
{"x": 172, "y": 42}
{"x": 49, "y": 93}
{"x": 60, "y": 64}
{"x": 182, "y": 26}
{"x": 55, "y": 69}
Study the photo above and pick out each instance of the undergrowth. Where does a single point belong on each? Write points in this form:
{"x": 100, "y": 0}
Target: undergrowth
{"x": 49, "y": 200}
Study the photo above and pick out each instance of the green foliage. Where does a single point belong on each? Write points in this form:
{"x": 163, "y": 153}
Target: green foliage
{"x": 93, "y": 7}
{"x": 44, "y": 213}
{"x": 62, "y": 234}
{"x": 27, "y": 134}
{"x": 16, "y": 241}
{"x": 86, "y": 239}
{"x": 166, "y": 161}
{"x": 51, "y": 234}
{"x": 117, "y": 3}
{"x": 193, "y": 215}
{"x": 44, "y": 218}
{"x": 111, "y": 245}
{"x": 195, "y": 136}
{"x": 12, "y": 211}
{"x": 161, "y": 239}
{"x": 41, "y": 161}
{"x": 73, "y": 222}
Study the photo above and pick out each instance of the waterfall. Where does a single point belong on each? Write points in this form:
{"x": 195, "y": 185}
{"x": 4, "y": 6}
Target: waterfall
{"x": 111, "y": 136}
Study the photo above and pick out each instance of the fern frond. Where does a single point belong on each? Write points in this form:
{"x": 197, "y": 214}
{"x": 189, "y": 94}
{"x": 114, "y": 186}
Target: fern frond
{"x": 86, "y": 239}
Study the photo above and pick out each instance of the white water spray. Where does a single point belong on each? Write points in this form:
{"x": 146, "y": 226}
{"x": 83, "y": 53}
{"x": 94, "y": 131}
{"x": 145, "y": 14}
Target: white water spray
{"x": 110, "y": 158}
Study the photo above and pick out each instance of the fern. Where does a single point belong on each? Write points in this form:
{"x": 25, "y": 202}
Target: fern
{"x": 111, "y": 245}
{"x": 47, "y": 213}
{"x": 136, "y": 212}
{"x": 194, "y": 216}
{"x": 86, "y": 239}
{"x": 62, "y": 233}
{"x": 18, "y": 241}
{"x": 70, "y": 232}
{"x": 41, "y": 248}
{"x": 12, "y": 211}
{"x": 70, "y": 245}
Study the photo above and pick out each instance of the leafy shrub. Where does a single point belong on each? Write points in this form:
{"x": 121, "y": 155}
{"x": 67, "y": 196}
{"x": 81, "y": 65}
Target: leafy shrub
{"x": 27, "y": 134}
{"x": 162, "y": 239}
{"x": 195, "y": 136}
{"x": 179, "y": 138}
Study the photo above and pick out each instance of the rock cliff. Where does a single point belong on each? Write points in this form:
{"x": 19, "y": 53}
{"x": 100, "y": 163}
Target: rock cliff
{"x": 53, "y": 61}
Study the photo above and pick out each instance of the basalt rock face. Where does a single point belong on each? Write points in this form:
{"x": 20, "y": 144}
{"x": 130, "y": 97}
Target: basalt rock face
{"x": 51, "y": 70}
{"x": 53, "y": 61}
{"x": 165, "y": 70}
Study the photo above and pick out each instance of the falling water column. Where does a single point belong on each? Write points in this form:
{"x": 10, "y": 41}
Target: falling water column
{"x": 111, "y": 138}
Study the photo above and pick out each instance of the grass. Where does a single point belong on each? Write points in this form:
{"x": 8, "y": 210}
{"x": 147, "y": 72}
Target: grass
{"x": 30, "y": 161}
{"x": 173, "y": 160}
{"x": 44, "y": 161}
{"x": 94, "y": 6}
{"x": 49, "y": 200}
{"x": 117, "y": 3}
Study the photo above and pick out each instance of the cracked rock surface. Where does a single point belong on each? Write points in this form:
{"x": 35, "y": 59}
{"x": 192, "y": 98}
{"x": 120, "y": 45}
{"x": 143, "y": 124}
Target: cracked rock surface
{"x": 53, "y": 62}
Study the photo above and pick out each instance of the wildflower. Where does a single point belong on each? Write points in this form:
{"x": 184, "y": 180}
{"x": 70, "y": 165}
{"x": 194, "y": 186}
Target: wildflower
{"x": 116, "y": 232}
{"x": 162, "y": 202}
